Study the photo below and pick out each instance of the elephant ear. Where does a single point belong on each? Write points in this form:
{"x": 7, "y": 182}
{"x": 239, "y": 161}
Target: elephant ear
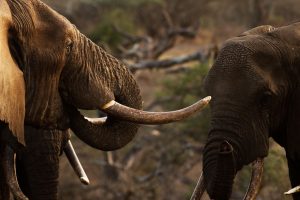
{"x": 12, "y": 85}
{"x": 292, "y": 140}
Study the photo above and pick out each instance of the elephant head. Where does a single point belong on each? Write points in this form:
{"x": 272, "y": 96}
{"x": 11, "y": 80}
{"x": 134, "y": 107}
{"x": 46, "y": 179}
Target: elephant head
{"x": 254, "y": 84}
{"x": 48, "y": 71}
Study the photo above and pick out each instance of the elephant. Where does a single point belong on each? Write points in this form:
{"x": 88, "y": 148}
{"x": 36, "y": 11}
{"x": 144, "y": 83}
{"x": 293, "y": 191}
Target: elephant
{"x": 48, "y": 71}
{"x": 255, "y": 88}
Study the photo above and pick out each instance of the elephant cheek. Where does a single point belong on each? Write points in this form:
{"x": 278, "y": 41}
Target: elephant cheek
{"x": 88, "y": 96}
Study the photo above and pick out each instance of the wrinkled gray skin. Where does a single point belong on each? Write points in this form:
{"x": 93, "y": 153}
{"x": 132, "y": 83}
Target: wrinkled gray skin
{"x": 255, "y": 89}
{"x": 63, "y": 71}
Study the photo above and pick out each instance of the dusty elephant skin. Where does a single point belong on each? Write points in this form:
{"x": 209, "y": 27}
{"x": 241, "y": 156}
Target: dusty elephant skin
{"x": 48, "y": 70}
{"x": 255, "y": 89}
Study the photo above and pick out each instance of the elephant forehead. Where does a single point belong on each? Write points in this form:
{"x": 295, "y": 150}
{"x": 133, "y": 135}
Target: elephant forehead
{"x": 233, "y": 86}
{"x": 290, "y": 34}
{"x": 232, "y": 72}
{"x": 50, "y": 26}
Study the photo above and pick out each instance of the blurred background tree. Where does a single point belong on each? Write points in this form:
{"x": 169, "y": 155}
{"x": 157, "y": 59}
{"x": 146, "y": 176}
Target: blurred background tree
{"x": 169, "y": 45}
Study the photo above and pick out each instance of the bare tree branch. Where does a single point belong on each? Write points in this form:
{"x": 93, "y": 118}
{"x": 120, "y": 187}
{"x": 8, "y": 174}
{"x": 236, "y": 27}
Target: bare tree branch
{"x": 146, "y": 47}
{"x": 129, "y": 37}
{"x": 168, "y": 18}
{"x": 168, "y": 41}
{"x": 166, "y": 63}
{"x": 184, "y": 32}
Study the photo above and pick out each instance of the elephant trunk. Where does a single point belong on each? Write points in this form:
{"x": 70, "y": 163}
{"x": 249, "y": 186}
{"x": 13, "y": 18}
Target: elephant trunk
{"x": 38, "y": 163}
{"x": 91, "y": 79}
{"x": 113, "y": 133}
{"x": 223, "y": 156}
{"x": 219, "y": 170}
{"x": 100, "y": 81}
{"x": 109, "y": 136}
{"x": 257, "y": 171}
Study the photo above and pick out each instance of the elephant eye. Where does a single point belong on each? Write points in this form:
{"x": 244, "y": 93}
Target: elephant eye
{"x": 69, "y": 45}
{"x": 265, "y": 99}
{"x": 68, "y": 49}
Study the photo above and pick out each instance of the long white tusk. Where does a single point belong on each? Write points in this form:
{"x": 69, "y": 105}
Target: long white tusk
{"x": 128, "y": 114}
{"x": 293, "y": 190}
{"x": 75, "y": 163}
{"x": 257, "y": 172}
{"x": 199, "y": 189}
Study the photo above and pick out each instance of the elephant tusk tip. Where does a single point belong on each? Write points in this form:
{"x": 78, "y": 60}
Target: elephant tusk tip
{"x": 85, "y": 180}
{"x": 293, "y": 191}
{"x": 207, "y": 99}
{"x": 25, "y": 198}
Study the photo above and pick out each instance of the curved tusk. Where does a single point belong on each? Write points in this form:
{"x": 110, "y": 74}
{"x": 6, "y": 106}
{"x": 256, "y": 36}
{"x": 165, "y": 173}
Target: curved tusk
{"x": 199, "y": 189}
{"x": 11, "y": 178}
{"x": 75, "y": 163}
{"x": 293, "y": 190}
{"x": 142, "y": 117}
{"x": 257, "y": 172}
